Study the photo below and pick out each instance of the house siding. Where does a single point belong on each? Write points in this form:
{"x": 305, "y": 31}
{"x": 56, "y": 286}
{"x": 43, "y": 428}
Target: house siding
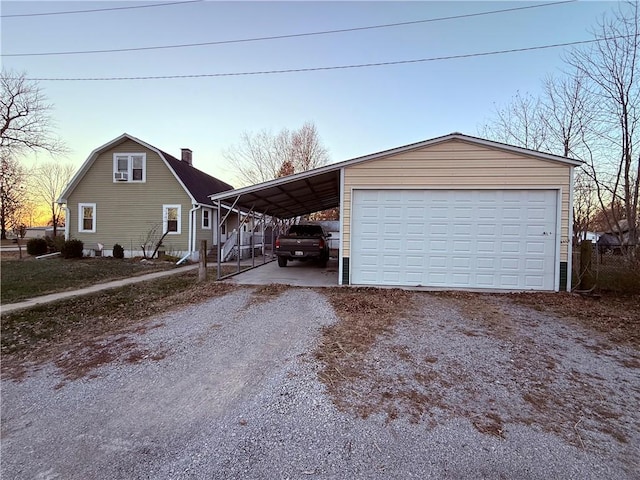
{"x": 457, "y": 164}
{"x": 203, "y": 233}
{"x": 127, "y": 211}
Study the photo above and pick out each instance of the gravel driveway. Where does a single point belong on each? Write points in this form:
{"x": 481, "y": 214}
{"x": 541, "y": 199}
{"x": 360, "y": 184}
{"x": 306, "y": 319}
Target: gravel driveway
{"x": 230, "y": 389}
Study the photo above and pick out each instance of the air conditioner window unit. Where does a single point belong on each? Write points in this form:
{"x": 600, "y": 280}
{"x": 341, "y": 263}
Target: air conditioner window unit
{"x": 121, "y": 176}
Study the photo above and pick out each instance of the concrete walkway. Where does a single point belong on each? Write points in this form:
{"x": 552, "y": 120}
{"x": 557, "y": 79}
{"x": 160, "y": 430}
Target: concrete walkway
{"x": 53, "y": 297}
{"x": 303, "y": 275}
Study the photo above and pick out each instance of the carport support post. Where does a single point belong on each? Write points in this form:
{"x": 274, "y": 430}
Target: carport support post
{"x": 219, "y": 239}
{"x": 239, "y": 237}
{"x": 202, "y": 264}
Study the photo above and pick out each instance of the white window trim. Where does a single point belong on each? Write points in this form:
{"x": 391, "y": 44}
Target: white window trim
{"x": 203, "y": 225}
{"x": 165, "y": 219}
{"x": 130, "y": 167}
{"x": 81, "y": 217}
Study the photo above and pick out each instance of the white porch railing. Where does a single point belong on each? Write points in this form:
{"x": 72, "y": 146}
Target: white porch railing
{"x": 229, "y": 246}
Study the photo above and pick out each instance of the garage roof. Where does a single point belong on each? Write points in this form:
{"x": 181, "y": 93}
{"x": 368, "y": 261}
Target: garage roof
{"x": 319, "y": 189}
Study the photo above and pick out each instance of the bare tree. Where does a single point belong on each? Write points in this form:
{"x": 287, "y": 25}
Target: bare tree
{"x": 26, "y": 122}
{"x": 584, "y": 206}
{"x": 308, "y": 151}
{"x": 520, "y": 122}
{"x": 12, "y": 192}
{"x": 47, "y": 181}
{"x": 611, "y": 67}
{"x": 567, "y": 113}
{"x": 263, "y": 156}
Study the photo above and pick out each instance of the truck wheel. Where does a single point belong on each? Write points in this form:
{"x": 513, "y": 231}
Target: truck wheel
{"x": 282, "y": 262}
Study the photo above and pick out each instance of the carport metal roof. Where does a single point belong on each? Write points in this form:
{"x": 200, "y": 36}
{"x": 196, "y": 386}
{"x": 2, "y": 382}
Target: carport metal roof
{"x": 319, "y": 189}
{"x": 290, "y": 196}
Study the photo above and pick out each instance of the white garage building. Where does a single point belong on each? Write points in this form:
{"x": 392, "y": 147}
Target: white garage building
{"x": 454, "y": 212}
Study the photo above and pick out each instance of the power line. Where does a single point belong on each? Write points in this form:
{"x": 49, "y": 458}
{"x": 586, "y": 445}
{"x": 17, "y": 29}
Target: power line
{"x": 293, "y": 35}
{"x": 109, "y": 9}
{"x": 335, "y": 67}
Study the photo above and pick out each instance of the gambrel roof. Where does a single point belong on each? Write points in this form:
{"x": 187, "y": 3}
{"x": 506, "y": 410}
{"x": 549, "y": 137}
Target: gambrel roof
{"x": 196, "y": 183}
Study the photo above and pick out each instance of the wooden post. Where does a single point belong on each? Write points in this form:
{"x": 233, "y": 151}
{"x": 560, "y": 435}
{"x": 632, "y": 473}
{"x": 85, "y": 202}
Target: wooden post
{"x": 587, "y": 280}
{"x": 202, "y": 269}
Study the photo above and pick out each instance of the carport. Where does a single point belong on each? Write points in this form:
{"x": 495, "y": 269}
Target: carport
{"x": 282, "y": 199}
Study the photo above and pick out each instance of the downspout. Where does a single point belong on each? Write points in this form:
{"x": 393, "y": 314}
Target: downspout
{"x": 66, "y": 222}
{"x": 192, "y": 229}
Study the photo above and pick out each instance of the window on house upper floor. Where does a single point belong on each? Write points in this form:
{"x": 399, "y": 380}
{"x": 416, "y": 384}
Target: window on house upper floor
{"x": 87, "y": 217}
{"x": 206, "y": 219}
{"x": 129, "y": 167}
{"x": 171, "y": 219}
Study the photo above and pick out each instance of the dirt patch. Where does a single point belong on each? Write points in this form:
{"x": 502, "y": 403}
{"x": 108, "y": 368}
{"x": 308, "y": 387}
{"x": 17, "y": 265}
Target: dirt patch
{"x": 82, "y": 333}
{"x": 266, "y": 292}
{"x": 95, "y": 353}
{"x": 617, "y": 317}
{"x": 493, "y": 359}
{"x": 366, "y": 314}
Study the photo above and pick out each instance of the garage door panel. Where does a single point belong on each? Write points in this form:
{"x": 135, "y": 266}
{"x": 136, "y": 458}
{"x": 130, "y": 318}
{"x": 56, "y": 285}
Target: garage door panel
{"x": 415, "y": 262}
{"x": 461, "y": 262}
{"x": 437, "y": 246}
{"x": 487, "y": 213}
{"x": 510, "y": 247}
{"x": 511, "y": 230}
{"x": 461, "y": 279}
{"x": 416, "y": 229}
{"x": 485, "y": 263}
{"x": 460, "y": 238}
{"x": 462, "y": 246}
{"x": 439, "y": 213}
{"x": 438, "y": 229}
{"x": 369, "y": 228}
{"x": 483, "y": 246}
{"x": 534, "y": 247}
{"x": 391, "y": 245}
{"x": 485, "y": 280}
{"x": 509, "y": 264}
{"x": 534, "y": 264}
{"x": 437, "y": 262}
{"x": 414, "y": 246}
{"x": 463, "y": 229}
{"x": 509, "y": 281}
{"x": 512, "y": 214}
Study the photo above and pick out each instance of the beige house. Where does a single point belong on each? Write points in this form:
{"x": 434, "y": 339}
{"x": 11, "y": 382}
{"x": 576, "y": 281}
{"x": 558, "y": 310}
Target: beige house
{"x": 453, "y": 212}
{"x": 130, "y": 193}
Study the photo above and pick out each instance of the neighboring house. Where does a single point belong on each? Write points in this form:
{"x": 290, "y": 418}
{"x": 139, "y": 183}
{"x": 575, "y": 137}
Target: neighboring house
{"x": 615, "y": 239}
{"x": 40, "y": 232}
{"x": 453, "y": 212}
{"x": 128, "y": 191}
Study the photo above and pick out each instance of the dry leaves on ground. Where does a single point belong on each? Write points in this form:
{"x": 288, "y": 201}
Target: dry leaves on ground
{"x": 86, "y": 326}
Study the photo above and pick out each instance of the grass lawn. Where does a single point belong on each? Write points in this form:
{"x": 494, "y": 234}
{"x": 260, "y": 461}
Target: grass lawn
{"x": 28, "y": 278}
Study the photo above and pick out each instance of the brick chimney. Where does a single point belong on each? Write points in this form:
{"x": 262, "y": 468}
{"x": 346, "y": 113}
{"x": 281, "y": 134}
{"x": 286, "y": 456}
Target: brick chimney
{"x": 186, "y": 156}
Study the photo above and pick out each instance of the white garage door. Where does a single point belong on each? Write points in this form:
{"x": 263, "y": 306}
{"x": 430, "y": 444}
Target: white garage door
{"x": 497, "y": 239}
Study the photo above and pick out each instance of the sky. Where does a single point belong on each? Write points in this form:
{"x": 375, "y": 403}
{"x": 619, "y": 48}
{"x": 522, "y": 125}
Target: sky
{"x": 357, "y": 111}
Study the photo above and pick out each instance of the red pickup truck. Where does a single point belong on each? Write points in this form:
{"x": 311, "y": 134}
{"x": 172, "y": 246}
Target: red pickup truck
{"x": 303, "y": 242}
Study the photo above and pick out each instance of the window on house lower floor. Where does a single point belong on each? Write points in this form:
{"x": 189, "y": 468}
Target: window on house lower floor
{"x": 206, "y": 219}
{"x": 171, "y": 219}
{"x": 87, "y": 217}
